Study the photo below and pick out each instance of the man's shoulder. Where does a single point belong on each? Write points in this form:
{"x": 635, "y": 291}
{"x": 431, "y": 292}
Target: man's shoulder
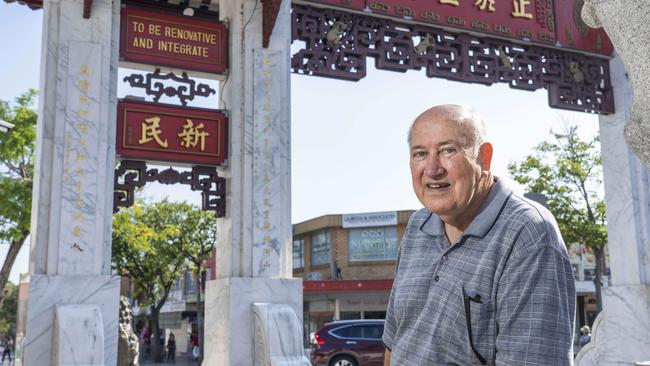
{"x": 419, "y": 217}
{"x": 534, "y": 225}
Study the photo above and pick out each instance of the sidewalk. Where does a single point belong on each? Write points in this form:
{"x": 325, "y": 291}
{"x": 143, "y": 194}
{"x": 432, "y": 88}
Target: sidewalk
{"x": 181, "y": 360}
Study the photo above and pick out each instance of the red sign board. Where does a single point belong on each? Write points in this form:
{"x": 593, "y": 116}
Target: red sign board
{"x": 156, "y": 132}
{"x": 352, "y": 4}
{"x": 156, "y": 38}
{"x": 573, "y": 33}
{"x": 546, "y": 22}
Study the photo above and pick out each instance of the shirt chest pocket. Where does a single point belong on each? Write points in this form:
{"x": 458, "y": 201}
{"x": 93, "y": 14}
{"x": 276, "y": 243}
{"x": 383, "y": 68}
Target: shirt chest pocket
{"x": 473, "y": 333}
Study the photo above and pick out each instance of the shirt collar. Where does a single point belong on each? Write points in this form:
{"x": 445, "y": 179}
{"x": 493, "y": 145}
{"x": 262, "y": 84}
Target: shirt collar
{"x": 487, "y": 214}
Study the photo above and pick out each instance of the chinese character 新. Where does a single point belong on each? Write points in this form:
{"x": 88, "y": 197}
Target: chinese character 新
{"x": 151, "y": 131}
{"x": 191, "y": 135}
{"x": 481, "y": 4}
{"x": 519, "y": 7}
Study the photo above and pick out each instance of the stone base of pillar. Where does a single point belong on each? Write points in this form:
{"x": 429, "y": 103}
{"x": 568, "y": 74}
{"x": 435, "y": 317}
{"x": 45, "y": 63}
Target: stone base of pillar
{"x": 620, "y": 332}
{"x": 275, "y": 330}
{"x": 52, "y": 294}
{"x": 229, "y": 325}
{"x": 78, "y": 336}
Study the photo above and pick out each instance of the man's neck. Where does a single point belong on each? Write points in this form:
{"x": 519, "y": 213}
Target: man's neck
{"x": 455, "y": 227}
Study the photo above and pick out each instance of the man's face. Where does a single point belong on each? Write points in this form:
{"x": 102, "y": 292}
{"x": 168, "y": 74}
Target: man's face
{"x": 446, "y": 177}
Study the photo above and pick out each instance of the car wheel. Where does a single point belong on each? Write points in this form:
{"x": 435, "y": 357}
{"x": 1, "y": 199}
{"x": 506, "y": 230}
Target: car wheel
{"x": 343, "y": 361}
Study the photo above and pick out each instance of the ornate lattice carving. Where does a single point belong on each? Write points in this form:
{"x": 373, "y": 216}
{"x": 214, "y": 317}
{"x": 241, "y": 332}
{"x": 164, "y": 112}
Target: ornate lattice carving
{"x": 574, "y": 81}
{"x": 153, "y": 84}
{"x": 201, "y": 178}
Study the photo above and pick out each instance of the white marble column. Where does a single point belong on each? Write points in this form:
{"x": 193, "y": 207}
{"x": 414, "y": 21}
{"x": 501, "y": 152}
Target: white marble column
{"x": 621, "y": 332}
{"x": 70, "y": 257}
{"x": 254, "y": 241}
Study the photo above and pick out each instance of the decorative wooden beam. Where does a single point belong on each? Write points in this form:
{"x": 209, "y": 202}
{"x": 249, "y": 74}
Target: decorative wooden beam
{"x": 32, "y": 4}
{"x": 269, "y": 15}
{"x": 88, "y": 4}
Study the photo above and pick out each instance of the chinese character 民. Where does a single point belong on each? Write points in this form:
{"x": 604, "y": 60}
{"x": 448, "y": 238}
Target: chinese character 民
{"x": 192, "y": 134}
{"x": 481, "y": 4}
{"x": 520, "y": 9}
{"x": 449, "y": 2}
{"x": 151, "y": 131}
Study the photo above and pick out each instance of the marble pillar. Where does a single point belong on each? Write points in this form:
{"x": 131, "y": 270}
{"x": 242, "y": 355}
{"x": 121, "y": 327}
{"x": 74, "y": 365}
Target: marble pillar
{"x": 620, "y": 332}
{"x": 627, "y": 24}
{"x": 254, "y": 242}
{"x": 72, "y": 293}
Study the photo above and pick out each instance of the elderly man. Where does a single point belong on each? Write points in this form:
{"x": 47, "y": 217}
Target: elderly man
{"x": 483, "y": 276}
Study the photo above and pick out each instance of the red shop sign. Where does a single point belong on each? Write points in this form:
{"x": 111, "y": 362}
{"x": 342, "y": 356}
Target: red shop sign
{"x": 157, "y": 38}
{"x": 155, "y": 132}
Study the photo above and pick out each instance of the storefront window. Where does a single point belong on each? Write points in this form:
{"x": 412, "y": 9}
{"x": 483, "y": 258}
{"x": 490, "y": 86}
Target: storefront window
{"x": 320, "y": 248}
{"x": 372, "y": 243}
{"x": 298, "y": 253}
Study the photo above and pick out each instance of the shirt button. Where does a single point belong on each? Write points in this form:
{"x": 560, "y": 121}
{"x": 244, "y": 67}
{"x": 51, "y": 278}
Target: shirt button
{"x": 436, "y": 278}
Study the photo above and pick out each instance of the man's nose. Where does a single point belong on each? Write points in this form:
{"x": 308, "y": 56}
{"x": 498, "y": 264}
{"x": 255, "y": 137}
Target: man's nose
{"x": 433, "y": 167}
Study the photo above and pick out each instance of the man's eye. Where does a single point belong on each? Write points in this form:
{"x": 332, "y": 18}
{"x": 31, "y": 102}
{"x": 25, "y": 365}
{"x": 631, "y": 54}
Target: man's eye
{"x": 419, "y": 154}
{"x": 447, "y": 151}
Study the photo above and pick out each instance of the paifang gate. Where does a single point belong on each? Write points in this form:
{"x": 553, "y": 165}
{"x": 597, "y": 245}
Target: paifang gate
{"x": 528, "y": 44}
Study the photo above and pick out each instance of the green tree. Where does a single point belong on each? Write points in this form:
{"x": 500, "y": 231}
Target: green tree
{"x": 16, "y": 177}
{"x": 197, "y": 248}
{"x": 150, "y": 244}
{"x": 9, "y": 311}
{"x": 568, "y": 172}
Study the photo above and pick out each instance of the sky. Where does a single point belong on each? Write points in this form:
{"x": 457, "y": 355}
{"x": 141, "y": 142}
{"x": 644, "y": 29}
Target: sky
{"x": 348, "y": 139}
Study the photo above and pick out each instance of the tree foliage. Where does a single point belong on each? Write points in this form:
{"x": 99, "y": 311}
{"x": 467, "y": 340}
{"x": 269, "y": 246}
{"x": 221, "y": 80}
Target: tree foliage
{"x": 151, "y": 245}
{"x": 9, "y": 311}
{"x": 16, "y": 176}
{"x": 568, "y": 172}
{"x": 197, "y": 249}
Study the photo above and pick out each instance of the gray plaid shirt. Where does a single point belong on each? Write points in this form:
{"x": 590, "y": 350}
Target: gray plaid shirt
{"x": 504, "y": 294}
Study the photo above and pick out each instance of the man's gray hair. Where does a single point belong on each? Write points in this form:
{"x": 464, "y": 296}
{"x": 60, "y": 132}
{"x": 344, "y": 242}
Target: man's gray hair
{"x": 464, "y": 116}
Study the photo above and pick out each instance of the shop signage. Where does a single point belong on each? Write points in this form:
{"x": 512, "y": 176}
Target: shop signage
{"x": 151, "y": 131}
{"x": 370, "y": 219}
{"x": 548, "y": 22}
{"x": 156, "y": 38}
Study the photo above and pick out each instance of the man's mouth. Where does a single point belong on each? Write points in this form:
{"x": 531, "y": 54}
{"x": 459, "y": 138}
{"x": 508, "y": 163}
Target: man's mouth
{"x": 437, "y": 185}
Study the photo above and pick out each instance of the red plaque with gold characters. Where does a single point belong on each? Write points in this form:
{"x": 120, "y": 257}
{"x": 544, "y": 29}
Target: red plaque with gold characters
{"x": 157, "y": 38}
{"x": 151, "y": 131}
{"x": 552, "y": 23}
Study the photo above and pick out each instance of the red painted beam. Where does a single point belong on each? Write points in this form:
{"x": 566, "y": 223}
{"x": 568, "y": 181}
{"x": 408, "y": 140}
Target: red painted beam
{"x": 33, "y": 4}
{"x": 347, "y": 285}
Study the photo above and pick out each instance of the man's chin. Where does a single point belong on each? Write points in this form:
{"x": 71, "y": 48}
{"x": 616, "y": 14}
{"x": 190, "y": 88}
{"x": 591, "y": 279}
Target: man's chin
{"x": 437, "y": 209}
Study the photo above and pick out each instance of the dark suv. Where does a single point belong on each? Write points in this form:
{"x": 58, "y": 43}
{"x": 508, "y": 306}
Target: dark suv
{"x": 348, "y": 343}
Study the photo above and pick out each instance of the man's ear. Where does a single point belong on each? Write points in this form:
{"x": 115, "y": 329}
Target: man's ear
{"x": 485, "y": 156}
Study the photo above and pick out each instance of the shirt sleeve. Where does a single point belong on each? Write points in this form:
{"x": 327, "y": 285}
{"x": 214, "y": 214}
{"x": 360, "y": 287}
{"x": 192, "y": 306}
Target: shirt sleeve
{"x": 536, "y": 310}
{"x": 390, "y": 325}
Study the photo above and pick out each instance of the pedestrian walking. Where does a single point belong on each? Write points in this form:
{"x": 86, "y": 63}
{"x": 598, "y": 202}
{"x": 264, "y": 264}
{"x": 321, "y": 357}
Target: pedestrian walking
{"x": 7, "y": 346}
{"x": 171, "y": 348}
{"x": 585, "y": 337}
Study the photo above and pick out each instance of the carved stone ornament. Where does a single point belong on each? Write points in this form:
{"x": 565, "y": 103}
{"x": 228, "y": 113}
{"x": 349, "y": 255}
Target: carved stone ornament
{"x": 627, "y": 23}
{"x": 153, "y": 84}
{"x": 134, "y": 174}
{"x": 127, "y": 347}
{"x": 338, "y": 43}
